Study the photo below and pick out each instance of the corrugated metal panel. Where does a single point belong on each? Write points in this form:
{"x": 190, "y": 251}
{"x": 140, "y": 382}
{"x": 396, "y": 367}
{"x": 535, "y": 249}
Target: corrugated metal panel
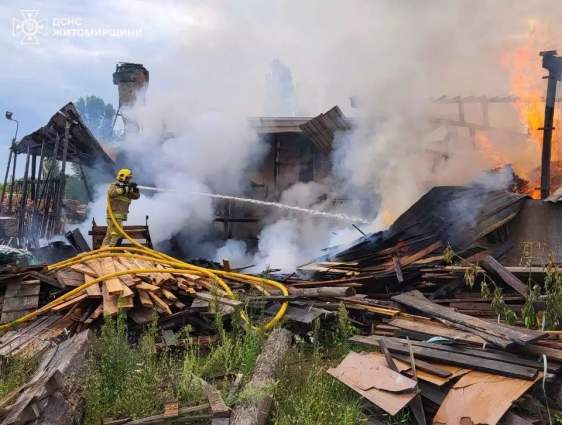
{"x": 324, "y": 127}
{"x": 83, "y": 147}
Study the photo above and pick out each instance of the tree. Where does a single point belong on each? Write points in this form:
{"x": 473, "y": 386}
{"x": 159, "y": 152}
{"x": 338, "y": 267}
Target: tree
{"x": 279, "y": 91}
{"x": 98, "y": 116}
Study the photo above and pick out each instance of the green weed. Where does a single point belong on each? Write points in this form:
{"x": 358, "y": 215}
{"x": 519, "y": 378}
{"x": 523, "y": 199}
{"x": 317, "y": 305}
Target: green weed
{"x": 307, "y": 395}
{"x": 125, "y": 380}
{"x": 14, "y": 373}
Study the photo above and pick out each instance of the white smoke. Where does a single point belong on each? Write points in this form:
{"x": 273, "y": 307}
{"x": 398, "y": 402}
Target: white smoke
{"x": 393, "y": 55}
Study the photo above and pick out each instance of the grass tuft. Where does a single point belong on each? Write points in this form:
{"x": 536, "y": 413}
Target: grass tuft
{"x": 14, "y": 373}
{"x": 125, "y": 380}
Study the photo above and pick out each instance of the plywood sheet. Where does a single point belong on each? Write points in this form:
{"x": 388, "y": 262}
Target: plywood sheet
{"x": 482, "y": 397}
{"x": 367, "y": 377}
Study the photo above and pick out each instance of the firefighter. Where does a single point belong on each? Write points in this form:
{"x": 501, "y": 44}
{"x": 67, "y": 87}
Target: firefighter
{"x": 120, "y": 193}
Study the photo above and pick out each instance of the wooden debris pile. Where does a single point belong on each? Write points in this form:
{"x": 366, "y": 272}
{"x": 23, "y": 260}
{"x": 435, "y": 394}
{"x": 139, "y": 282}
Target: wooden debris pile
{"x": 455, "y": 362}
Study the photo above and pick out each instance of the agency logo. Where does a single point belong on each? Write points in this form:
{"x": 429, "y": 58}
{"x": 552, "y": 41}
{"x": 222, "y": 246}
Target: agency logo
{"x": 29, "y": 27}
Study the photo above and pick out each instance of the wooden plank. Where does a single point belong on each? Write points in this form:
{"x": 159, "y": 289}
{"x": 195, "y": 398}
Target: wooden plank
{"x": 19, "y": 300}
{"x": 145, "y": 299}
{"x": 436, "y": 329}
{"x": 126, "y": 292}
{"x": 218, "y": 407}
{"x": 169, "y": 295}
{"x": 18, "y": 337}
{"x": 481, "y": 397}
{"x": 455, "y": 359}
{"x": 210, "y": 298}
{"x": 97, "y": 313}
{"x": 489, "y": 331}
{"x": 70, "y": 303}
{"x": 455, "y": 371}
{"x": 212, "y": 287}
{"x": 146, "y": 287}
{"x": 352, "y": 371}
{"x": 500, "y": 356}
{"x": 96, "y": 266}
{"x": 397, "y": 268}
{"x": 550, "y": 353}
{"x": 69, "y": 278}
{"x": 127, "y": 279}
{"x": 424, "y": 366}
{"x": 93, "y": 291}
{"x": 389, "y": 360}
{"x": 416, "y": 405}
{"x": 46, "y": 279}
{"x": 84, "y": 269}
{"x": 22, "y": 290}
{"x": 109, "y": 302}
{"x": 495, "y": 269}
{"x": 405, "y": 261}
{"x": 113, "y": 285}
{"x": 159, "y": 303}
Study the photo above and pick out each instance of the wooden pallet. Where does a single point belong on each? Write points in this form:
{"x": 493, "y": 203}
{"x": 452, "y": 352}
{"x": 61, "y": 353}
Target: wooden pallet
{"x": 138, "y": 233}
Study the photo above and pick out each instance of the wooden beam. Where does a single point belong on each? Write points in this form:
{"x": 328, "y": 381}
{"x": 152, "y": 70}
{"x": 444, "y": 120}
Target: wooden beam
{"x": 496, "y": 270}
{"x": 492, "y": 332}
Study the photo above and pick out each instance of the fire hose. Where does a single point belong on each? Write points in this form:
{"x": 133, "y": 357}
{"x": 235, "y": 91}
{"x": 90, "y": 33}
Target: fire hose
{"x": 145, "y": 253}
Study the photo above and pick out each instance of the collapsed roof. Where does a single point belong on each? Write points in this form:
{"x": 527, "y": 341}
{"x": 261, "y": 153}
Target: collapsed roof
{"x": 83, "y": 147}
{"x": 455, "y": 215}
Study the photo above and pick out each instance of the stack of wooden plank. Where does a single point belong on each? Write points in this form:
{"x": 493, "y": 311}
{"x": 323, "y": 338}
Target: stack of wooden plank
{"x": 453, "y": 360}
{"x": 138, "y": 293}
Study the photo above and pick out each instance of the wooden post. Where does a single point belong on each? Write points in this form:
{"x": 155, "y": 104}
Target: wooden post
{"x": 60, "y": 195}
{"x": 268, "y": 363}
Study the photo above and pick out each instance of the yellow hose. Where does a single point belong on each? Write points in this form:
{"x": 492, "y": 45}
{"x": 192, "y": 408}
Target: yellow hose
{"x": 146, "y": 253}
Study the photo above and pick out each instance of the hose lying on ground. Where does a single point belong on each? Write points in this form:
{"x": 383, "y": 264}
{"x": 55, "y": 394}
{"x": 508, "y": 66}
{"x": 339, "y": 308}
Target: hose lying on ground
{"x": 145, "y": 253}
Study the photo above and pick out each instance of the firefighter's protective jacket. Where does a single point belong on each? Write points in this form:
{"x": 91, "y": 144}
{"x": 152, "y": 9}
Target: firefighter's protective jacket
{"x": 119, "y": 200}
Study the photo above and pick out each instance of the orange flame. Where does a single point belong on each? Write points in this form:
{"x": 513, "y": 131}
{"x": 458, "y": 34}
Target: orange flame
{"x": 387, "y": 217}
{"x": 525, "y": 68}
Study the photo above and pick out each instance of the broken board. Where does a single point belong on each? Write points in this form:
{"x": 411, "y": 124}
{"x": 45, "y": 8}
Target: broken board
{"x": 378, "y": 384}
{"x": 481, "y": 397}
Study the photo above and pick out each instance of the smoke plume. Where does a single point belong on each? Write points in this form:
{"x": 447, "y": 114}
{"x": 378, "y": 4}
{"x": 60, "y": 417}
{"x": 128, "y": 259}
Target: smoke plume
{"x": 392, "y": 55}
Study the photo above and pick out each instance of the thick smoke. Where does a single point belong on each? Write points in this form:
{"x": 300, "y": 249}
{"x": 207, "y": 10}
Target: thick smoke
{"x": 392, "y": 55}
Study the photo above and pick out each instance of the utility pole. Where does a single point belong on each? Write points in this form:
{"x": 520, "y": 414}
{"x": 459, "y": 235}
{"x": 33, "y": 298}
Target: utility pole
{"x": 553, "y": 64}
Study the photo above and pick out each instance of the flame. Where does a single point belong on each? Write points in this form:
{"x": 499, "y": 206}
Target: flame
{"x": 387, "y": 217}
{"x": 525, "y": 68}
{"x": 526, "y": 73}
